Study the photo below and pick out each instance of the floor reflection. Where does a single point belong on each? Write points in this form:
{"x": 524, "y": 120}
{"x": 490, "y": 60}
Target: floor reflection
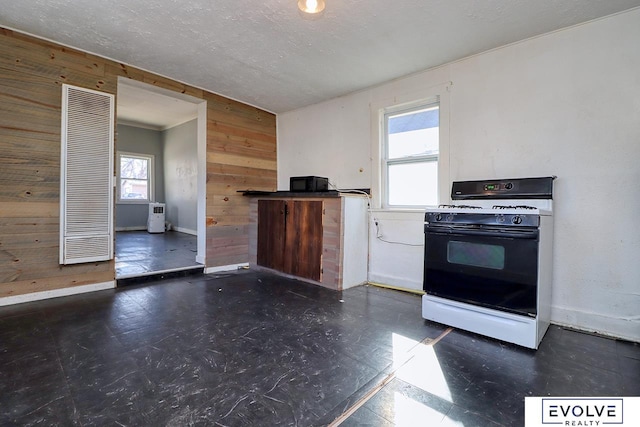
{"x": 423, "y": 370}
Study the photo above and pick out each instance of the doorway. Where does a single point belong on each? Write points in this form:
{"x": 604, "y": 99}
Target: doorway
{"x": 160, "y": 168}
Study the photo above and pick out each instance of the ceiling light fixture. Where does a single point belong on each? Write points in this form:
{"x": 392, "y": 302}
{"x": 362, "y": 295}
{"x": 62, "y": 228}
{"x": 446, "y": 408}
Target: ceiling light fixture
{"x": 312, "y": 7}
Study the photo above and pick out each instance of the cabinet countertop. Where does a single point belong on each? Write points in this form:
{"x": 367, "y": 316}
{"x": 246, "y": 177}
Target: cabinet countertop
{"x": 296, "y": 194}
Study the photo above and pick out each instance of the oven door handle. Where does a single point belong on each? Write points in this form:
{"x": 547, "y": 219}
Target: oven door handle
{"x": 483, "y": 232}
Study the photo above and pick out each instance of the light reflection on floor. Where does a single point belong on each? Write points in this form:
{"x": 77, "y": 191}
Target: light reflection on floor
{"x": 417, "y": 364}
{"x": 423, "y": 371}
{"x": 409, "y": 413}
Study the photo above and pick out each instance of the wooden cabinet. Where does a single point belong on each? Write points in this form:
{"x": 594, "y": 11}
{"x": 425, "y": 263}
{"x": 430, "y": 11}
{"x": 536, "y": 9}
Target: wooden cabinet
{"x": 322, "y": 240}
{"x": 290, "y": 237}
{"x": 271, "y": 233}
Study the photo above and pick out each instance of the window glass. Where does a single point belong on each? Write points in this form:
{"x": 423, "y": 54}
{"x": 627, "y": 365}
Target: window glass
{"x": 134, "y": 178}
{"x": 413, "y": 134}
{"x": 413, "y": 184}
{"x": 412, "y": 138}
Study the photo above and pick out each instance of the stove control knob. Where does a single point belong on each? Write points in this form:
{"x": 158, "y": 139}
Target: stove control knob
{"x": 439, "y": 217}
{"x": 500, "y": 218}
{"x": 508, "y": 185}
{"x": 516, "y": 220}
{"x": 449, "y": 218}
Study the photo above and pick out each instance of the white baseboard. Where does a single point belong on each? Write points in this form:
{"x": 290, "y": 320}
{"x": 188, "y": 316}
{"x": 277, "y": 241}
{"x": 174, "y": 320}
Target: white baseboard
{"x": 231, "y": 267}
{"x": 56, "y": 293}
{"x": 184, "y": 230}
{"x": 616, "y": 327}
{"x": 135, "y": 228}
{"x": 398, "y": 282}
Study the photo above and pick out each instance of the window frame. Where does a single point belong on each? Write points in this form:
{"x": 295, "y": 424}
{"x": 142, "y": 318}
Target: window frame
{"x": 403, "y": 98}
{"x": 150, "y": 178}
{"x": 387, "y": 162}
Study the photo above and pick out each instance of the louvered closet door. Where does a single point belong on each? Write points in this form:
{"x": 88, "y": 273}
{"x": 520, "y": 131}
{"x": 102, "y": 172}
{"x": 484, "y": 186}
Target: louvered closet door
{"x": 86, "y": 196}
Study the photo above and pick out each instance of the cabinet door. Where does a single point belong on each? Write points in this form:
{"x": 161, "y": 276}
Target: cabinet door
{"x": 271, "y": 233}
{"x": 303, "y": 247}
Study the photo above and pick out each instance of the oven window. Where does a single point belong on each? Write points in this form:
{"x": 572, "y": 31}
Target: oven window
{"x": 476, "y": 254}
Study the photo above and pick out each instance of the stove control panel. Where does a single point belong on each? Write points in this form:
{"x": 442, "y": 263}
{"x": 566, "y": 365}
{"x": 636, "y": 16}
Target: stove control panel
{"x": 498, "y": 186}
{"x": 467, "y": 218}
{"x": 515, "y": 188}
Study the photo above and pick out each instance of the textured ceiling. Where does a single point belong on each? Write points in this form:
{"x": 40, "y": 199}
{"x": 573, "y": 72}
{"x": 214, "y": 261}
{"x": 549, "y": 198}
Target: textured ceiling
{"x": 142, "y": 107}
{"x": 265, "y": 54}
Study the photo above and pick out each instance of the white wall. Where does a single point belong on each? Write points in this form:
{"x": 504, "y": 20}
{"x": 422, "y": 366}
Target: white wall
{"x": 565, "y": 104}
{"x": 326, "y": 140}
{"x": 181, "y": 176}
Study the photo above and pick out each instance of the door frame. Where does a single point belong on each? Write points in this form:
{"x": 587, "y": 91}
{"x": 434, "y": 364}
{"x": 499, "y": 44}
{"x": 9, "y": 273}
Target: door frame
{"x": 201, "y": 149}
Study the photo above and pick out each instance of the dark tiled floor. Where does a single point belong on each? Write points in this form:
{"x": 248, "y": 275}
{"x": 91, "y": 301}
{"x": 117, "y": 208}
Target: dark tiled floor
{"x": 139, "y": 253}
{"x": 251, "y": 348}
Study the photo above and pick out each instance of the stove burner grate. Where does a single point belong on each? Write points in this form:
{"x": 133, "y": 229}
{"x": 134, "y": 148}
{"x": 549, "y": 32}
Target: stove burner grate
{"x": 512, "y": 207}
{"x": 460, "y": 206}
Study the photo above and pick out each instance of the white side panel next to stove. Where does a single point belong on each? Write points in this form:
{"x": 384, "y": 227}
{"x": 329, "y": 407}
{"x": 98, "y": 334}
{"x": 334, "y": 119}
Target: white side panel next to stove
{"x": 545, "y": 274}
{"x": 354, "y": 218}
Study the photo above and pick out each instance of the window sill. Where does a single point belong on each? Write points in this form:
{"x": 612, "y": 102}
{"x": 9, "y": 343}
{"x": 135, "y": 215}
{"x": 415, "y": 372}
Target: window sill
{"x": 400, "y": 210}
{"x": 399, "y": 214}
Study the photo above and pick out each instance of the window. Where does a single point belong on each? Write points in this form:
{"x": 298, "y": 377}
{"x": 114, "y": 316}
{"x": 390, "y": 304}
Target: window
{"x": 410, "y": 155}
{"x": 135, "y": 178}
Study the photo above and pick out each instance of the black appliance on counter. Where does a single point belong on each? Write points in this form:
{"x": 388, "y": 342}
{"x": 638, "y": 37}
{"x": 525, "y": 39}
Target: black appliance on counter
{"x": 308, "y": 184}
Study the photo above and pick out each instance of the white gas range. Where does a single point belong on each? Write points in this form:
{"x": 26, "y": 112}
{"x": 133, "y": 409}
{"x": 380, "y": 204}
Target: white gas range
{"x": 488, "y": 259}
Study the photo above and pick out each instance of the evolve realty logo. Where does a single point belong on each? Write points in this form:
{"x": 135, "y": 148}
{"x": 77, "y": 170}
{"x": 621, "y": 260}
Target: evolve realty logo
{"x": 582, "y": 412}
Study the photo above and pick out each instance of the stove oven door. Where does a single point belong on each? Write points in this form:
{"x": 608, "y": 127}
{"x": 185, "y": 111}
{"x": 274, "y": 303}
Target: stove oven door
{"x": 494, "y": 267}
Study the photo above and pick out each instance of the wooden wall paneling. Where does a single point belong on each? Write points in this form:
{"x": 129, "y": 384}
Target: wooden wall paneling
{"x": 230, "y": 170}
{"x": 227, "y": 170}
{"x": 229, "y": 244}
{"x": 123, "y": 70}
{"x": 230, "y": 190}
{"x": 331, "y": 241}
{"x": 30, "y": 117}
{"x": 242, "y": 161}
{"x": 14, "y": 288}
{"x": 241, "y": 155}
{"x": 35, "y": 118}
{"x": 247, "y": 137}
{"x": 239, "y": 115}
{"x": 29, "y": 241}
{"x": 221, "y": 200}
{"x": 55, "y": 63}
{"x": 230, "y": 211}
{"x": 241, "y": 142}
{"x": 19, "y": 150}
{"x": 29, "y": 209}
{"x": 26, "y": 226}
{"x": 29, "y": 88}
{"x": 50, "y": 53}
{"x": 18, "y": 264}
{"x": 242, "y": 145}
{"x": 240, "y": 182}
